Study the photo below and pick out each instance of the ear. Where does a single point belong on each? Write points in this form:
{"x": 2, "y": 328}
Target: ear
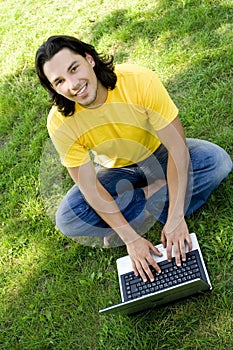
{"x": 90, "y": 59}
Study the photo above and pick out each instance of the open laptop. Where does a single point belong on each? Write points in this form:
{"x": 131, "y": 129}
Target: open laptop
{"x": 172, "y": 284}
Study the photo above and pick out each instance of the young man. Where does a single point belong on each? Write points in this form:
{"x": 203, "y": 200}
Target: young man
{"x": 143, "y": 164}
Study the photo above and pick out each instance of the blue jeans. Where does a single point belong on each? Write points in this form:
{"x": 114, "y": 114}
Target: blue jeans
{"x": 210, "y": 164}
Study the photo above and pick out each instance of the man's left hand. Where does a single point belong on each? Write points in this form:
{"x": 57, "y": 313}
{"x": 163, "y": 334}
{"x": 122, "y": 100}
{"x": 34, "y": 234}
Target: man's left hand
{"x": 176, "y": 235}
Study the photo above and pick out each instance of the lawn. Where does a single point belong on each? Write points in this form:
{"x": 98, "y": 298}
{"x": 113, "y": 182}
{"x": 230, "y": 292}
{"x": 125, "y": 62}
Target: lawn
{"x": 51, "y": 288}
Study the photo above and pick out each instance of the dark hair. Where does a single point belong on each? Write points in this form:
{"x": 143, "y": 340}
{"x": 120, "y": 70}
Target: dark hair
{"x": 104, "y": 68}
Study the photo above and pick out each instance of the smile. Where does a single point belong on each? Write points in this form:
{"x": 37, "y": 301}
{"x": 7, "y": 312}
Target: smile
{"x": 81, "y": 90}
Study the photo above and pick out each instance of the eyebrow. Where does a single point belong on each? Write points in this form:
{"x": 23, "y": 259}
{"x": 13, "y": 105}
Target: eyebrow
{"x": 71, "y": 65}
{"x": 68, "y": 69}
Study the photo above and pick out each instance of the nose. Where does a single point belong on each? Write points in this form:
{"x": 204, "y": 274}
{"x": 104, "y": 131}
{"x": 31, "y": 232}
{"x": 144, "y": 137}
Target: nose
{"x": 72, "y": 83}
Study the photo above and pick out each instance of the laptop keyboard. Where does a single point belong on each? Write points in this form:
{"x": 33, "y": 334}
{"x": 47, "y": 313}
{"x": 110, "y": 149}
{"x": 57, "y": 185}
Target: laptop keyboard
{"x": 171, "y": 275}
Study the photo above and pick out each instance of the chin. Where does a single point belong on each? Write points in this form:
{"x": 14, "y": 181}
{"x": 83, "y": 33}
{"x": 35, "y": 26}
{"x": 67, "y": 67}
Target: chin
{"x": 88, "y": 103}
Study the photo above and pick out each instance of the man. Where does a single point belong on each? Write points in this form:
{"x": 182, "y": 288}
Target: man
{"x": 119, "y": 136}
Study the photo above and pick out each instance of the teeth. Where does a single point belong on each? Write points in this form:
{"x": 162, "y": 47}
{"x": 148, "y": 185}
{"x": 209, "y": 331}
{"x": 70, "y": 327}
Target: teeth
{"x": 81, "y": 90}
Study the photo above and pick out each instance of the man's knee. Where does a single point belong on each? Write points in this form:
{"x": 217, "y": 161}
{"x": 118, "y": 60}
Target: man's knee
{"x": 209, "y": 160}
{"x": 67, "y": 220}
{"x": 62, "y": 219}
{"x": 222, "y": 164}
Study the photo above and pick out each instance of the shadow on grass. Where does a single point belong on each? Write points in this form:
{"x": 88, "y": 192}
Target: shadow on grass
{"x": 202, "y": 93}
{"x": 192, "y": 21}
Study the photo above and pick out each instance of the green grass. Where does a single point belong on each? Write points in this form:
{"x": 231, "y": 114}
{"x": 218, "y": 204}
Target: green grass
{"x": 52, "y": 288}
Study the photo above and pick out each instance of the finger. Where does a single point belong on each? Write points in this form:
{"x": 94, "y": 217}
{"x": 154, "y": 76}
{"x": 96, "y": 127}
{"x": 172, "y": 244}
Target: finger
{"x": 169, "y": 251}
{"x": 153, "y": 263}
{"x": 163, "y": 240}
{"x": 155, "y": 250}
{"x": 189, "y": 241}
{"x": 135, "y": 269}
{"x": 148, "y": 272}
{"x": 177, "y": 254}
{"x": 182, "y": 251}
{"x": 141, "y": 271}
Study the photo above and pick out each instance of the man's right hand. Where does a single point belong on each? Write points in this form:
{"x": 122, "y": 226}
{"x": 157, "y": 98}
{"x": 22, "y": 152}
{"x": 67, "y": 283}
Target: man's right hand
{"x": 140, "y": 252}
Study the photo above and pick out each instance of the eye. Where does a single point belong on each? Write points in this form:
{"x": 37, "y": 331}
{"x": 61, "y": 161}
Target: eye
{"x": 74, "y": 68}
{"x": 58, "y": 82}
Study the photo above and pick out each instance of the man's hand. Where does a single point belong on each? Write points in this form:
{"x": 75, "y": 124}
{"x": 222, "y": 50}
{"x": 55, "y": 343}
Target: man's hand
{"x": 176, "y": 237}
{"x": 140, "y": 252}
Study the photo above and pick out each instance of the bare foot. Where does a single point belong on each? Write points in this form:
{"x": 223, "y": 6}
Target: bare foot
{"x": 107, "y": 240}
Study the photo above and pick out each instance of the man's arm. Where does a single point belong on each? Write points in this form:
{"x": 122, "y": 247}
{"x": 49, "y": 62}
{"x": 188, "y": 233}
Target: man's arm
{"x": 139, "y": 249}
{"x": 175, "y": 231}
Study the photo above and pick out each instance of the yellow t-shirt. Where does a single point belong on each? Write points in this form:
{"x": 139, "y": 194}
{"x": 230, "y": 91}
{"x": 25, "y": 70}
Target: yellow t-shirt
{"x": 121, "y": 132}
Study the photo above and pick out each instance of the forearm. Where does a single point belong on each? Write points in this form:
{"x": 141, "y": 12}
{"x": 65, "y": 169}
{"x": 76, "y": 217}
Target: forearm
{"x": 106, "y": 207}
{"x": 102, "y": 202}
{"x": 177, "y": 178}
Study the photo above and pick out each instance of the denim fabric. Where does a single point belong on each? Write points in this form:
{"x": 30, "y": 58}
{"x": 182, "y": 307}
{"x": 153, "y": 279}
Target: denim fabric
{"x": 210, "y": 165}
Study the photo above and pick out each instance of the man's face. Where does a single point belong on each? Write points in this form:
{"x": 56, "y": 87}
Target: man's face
{"x": 72, "y": 76}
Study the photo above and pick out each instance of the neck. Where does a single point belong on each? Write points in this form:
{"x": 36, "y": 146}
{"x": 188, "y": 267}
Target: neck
{"x": 101, "y": 97}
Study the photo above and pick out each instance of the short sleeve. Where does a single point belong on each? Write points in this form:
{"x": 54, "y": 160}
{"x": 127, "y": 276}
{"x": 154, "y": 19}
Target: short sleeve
{"x": 160, "y": 107}
{"x": 63, "y": 132}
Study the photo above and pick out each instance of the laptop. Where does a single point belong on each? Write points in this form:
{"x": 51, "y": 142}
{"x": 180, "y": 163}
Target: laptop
{"x": 171, "y": 284}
